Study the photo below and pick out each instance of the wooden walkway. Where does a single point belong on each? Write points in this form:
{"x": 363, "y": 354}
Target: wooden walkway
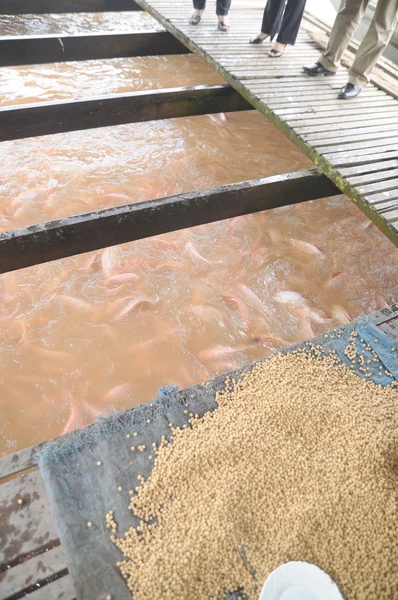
{"x": 32, "y": 561}
{"x": 353, "y": 142}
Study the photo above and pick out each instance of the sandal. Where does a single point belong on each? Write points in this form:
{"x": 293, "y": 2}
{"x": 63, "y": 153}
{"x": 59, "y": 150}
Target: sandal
{"x": 276, "y": 53}
{"x": 195, "y": 19}
{"x": 223, "y": 25}
{"x": 258, "y": 40}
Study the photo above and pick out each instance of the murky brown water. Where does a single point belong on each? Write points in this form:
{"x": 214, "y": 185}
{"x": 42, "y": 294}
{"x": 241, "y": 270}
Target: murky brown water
{"x": 73, "y": 23}
{"x": 87, "y": 334}
{"x": 73, "y": 80}
{"x": 80, "y": 172}
{"x": 100, "y": 331}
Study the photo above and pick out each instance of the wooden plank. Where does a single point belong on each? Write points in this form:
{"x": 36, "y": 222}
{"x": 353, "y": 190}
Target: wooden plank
{"x": 391, "y": 328}
{"x": 18, "y": 461}
{"x": 373, "y": 177}
{"x": 324, "y": 122}
{"x": 25, "y": 50}
{"x": 342, "y": 160}
{"x": 370, "y": 167}
{"x": 240, "y": 57}
{"x": 33, "y": 573}
{"x": 346, "y": 125}
{"x": 390, "y": 184}
{"x": 313, "y": 116}
{"x": 55, "y": 117}
{"x": 303, "y": 94}
{"x": 347, "y": 132}
{"x": 363, "y": 137}
{"x": 82, "y": 233}
{"x": 243, "y": 73}
{"x": 359, "y": 146}
{"x": 316, "y": 83}
{"x": 386, "y": 205}
{"x": 389, "y": 212}
{"x": 385, "y": 314}
{"x": 388, "y": 209}
{"x": 333, "y": 105}
{"x": 380, "y": 197}
{"x": 22, "y": 7}
{"x": 60, "y": 589}
{"x": 27, "y": 527}
{"x": 321, "y": 103}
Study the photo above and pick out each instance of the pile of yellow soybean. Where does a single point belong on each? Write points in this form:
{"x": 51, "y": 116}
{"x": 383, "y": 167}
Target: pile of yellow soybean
{"x": 298, "y": 462}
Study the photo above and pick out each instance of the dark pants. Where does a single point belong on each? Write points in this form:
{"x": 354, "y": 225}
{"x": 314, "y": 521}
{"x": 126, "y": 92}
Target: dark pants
{"x": 283, "y": 21}
{"x": 222, "y": 7}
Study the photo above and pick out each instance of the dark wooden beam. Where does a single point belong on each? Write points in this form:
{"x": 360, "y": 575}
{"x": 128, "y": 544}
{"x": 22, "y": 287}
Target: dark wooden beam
{"x": 42, "y": 243}
{"x": 39, "y": 7}
{"x": 56, "y": 117}
{"x": 27, "y": 50}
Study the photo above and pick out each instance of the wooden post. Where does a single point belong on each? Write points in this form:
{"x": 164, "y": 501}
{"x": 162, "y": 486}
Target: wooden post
{"x": 22, "y": 7}
{"x": 55, "y": 117}
{"x": 37, "y": 244}
{"x": 27, "y": 50}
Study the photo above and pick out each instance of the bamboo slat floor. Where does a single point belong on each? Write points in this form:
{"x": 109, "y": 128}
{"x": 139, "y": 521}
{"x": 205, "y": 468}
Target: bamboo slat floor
{"x": 32, "y": 561}
{"x": 353, "y": 142}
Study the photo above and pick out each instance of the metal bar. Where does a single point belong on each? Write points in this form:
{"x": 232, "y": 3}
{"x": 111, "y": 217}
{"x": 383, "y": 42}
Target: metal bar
{"x": 40, "y": 7}
{"x": 37, "y": 244}
{"x": 56, "y": 117}
{"x": 24, "y": 50}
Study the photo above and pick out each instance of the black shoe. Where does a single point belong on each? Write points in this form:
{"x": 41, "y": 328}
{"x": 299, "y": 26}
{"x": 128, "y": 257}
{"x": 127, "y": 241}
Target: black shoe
{"x": 349, "y": 90}
{"x": 258, "y": 40}
{"x": 316, "y": 70}
{"x": 276, "y": 53}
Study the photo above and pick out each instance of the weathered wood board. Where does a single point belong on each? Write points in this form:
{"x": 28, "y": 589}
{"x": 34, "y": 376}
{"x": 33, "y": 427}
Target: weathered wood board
{"x": 53, "y": 240}
{"x": 49, "y": 48}
{"x": 22, "y": 7}
{"x": 46, "y": 118}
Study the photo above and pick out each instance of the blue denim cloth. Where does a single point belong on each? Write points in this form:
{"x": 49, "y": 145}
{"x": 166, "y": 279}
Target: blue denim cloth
{"x": 368, "y": 336}
{"x": 80, "y": 491}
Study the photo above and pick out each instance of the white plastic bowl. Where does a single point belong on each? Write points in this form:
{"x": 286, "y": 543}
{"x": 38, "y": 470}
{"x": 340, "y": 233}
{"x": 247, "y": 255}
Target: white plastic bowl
{"x": 299, "y": 581}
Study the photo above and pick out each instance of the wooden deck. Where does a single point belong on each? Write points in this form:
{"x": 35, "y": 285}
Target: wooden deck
{"x": 31, "y": 558}
{"x": 353, "y": 142}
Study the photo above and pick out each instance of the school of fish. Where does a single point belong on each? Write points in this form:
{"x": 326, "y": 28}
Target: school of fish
{"x": 101, "y": 331}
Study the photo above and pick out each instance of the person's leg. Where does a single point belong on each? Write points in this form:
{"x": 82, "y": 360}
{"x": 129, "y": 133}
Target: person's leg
{"x": 375, "y": 41}
{"x": 291, "y": 22}
{"x": 198, "y": 8}
{"x": 272, "y": 17}
{"x": 222, "y": 10}
{"x": 347, "y": 20}
{"x": 222, "y": 7}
